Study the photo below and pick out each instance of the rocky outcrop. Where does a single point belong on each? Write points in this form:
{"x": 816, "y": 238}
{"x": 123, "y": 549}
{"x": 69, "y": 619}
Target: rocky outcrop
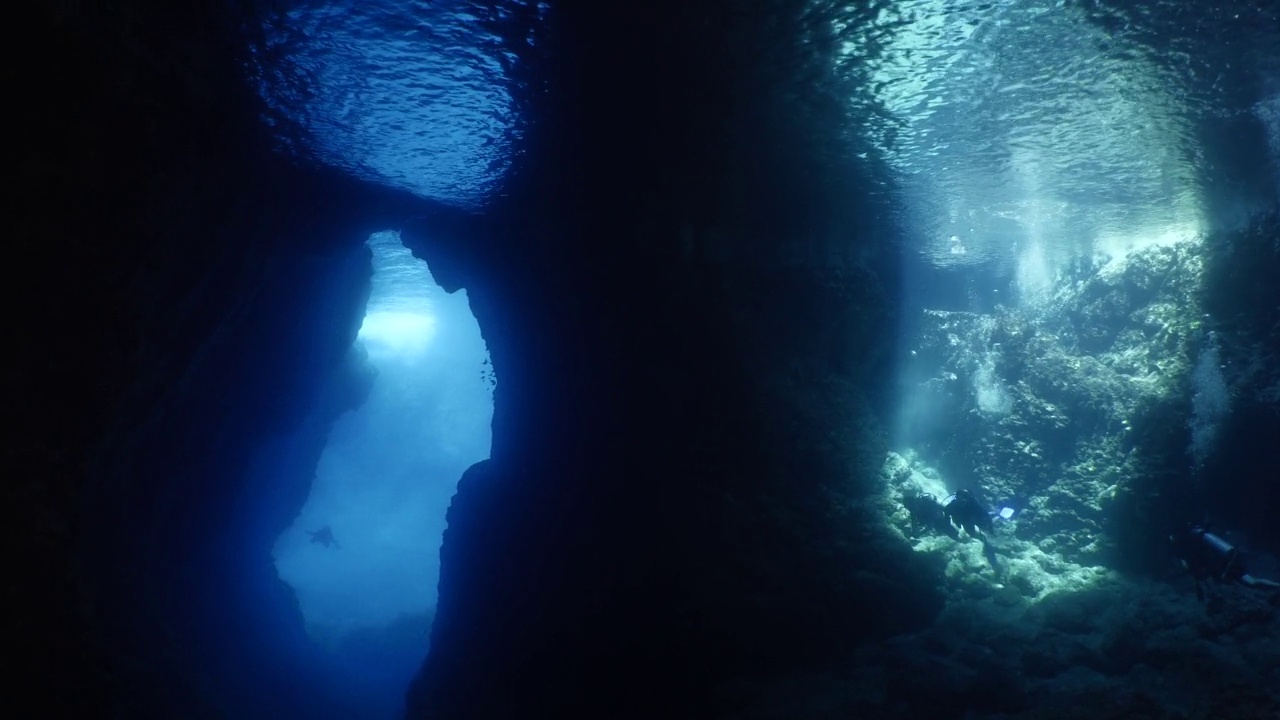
{"x": 1074, "y": 408}
{"x": 1118, "y": 649}
{"x": 1083, "y": 412}
{"x": 1117, "y": 407}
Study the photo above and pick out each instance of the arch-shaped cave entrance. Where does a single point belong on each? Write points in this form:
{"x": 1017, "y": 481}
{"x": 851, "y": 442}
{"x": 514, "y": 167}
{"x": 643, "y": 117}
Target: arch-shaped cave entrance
{"x": 362, "y": 554}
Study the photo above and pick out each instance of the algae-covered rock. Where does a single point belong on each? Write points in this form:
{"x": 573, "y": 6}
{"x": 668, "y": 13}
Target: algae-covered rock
{"x": 1046, "y": 404}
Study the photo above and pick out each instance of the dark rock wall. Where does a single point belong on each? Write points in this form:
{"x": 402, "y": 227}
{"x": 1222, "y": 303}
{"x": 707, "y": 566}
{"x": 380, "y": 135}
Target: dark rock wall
{"x": 1242, "y": 299}
{"x": 181, "y": 294}
{"x": 684, "y": 343}
{"x": 687, "y": 345}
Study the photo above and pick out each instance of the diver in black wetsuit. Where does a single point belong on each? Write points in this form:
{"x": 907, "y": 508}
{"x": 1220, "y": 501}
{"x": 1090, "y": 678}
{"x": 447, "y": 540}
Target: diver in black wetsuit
{"x": 961, "y": 511}
{"x": 324, "y": 536}
{"x": 966, "y": 513}
{"x": 927, "y": 514}
{"x": 1206, "y": 555}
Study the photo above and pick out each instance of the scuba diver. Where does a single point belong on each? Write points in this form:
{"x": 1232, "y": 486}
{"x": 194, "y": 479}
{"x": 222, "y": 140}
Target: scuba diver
{"x": 961, "y": 511}
{"x": 966, "y": 513}
{"x": 324, "y": 536}
{"x": 1206, "y": 555}
{"x": 928, "y": 514}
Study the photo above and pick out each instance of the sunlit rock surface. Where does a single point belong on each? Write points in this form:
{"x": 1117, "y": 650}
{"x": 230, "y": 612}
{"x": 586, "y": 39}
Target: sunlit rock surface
{"x": 1078, "y": 414}
{"x": 1054, "y": 404}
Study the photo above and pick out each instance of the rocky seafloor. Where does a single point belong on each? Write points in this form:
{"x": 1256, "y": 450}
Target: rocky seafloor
{"x": 1097, "y": 647}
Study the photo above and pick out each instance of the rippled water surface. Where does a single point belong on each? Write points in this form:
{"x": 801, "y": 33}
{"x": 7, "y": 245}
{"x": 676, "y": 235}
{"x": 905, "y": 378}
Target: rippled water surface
{"x": 1025, "y": 131}
{"x": 1041, "y": 129}
{"x": 416, "y": 95}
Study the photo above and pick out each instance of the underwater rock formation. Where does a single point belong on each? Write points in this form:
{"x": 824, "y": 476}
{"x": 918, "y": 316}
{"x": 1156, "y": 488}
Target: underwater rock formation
{"x": 1078, "y": 412}
{"x": 1060, "y": 404}
{"x": 1117, "y": 649}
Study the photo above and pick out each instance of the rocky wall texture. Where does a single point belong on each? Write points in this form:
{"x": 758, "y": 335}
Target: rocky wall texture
{"x": 1242, "y": 303}
{"x": 1132, "y": 399}
{"x": 1117, "y": 649}
{"x": 182, "y": 292}
{"x": 1073, "y": 408}
{"x": 1083, "y": 413}
{"x": 683, "y": 432}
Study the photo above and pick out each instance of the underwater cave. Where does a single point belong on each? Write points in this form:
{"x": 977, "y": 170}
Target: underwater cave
{"x": 362, "y": 556}
{"x": 795, "y": 359}
{"x": 390, "y": 466}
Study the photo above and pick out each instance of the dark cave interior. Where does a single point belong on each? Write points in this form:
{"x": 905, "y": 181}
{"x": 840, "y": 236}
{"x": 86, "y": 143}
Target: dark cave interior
{"x": 677, "y": 331}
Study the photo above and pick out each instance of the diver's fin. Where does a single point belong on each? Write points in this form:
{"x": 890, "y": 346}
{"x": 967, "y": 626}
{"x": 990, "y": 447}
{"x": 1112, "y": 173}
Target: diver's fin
{"x": 1252, "y": 581}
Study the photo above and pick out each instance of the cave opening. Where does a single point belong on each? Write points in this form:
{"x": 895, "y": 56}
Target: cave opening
{"x": 362, "y": 554}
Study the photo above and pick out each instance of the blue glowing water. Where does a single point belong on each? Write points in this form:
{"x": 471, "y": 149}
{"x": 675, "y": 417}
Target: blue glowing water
{"x": 389, "y": 471}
